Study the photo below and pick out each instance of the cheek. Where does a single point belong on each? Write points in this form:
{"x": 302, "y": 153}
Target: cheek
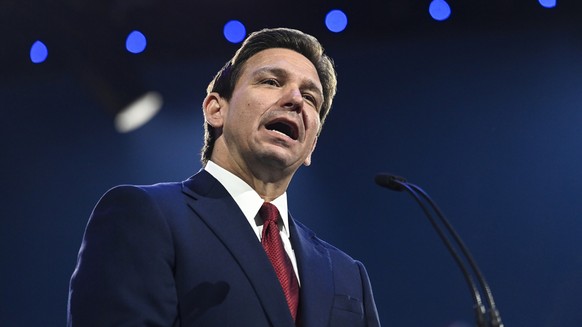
{"x": 254, "y": 106}
{"x": 313, "y": 122}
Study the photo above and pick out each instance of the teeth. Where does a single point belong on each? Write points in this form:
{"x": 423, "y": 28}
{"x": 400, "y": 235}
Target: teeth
{"x": 282, "y": 128}
{"x": 274, "y": 130}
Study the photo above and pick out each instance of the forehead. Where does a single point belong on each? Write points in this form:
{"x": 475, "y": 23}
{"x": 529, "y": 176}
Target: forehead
{"x": 294, "y": 63}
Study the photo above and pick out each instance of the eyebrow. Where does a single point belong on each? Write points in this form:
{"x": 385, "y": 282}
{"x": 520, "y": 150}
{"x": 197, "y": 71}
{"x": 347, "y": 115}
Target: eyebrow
{"x": 280, "y": 72}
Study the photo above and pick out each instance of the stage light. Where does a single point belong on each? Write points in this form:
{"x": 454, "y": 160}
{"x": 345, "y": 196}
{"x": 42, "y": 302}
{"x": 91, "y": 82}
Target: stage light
{"x": 136, "y": 42}
{"x": 38, "y": 52}
{"x": 234, "y": 31}
{"x": 139, "y": 112}
{"x": 548, "y": 3}
{"x": 118, "y": 86}
{"x": 439, "y": 10}
{"x": 336, "y": 21}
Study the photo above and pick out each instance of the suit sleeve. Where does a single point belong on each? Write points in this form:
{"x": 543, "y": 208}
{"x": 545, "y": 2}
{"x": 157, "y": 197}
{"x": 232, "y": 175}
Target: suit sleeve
{"x": 370, "y": 311}
{"x": 124, "y": 273}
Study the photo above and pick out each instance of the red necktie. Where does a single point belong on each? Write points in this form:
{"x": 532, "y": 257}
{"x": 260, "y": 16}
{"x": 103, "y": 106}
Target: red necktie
{"x": 273, "y": 245}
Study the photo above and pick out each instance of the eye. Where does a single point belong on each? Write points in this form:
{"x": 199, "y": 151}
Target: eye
{"x": 309, "y": 97}
{"x": 271, "y": 81}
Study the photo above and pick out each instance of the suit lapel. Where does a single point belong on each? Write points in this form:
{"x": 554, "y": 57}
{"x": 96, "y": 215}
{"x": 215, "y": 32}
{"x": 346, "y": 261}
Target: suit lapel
{"x": 212, "y": 203}
{"x": 315, "y": 271}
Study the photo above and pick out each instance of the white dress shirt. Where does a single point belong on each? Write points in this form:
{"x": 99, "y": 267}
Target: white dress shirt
{"x": 249, "y": 202}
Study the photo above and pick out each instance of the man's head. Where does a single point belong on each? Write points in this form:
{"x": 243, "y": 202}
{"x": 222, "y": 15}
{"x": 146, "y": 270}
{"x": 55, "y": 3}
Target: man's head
{"x": 226, "y": 79}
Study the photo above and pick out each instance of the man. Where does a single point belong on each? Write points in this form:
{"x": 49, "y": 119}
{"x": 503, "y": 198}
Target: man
{"x": 220, "y": 248}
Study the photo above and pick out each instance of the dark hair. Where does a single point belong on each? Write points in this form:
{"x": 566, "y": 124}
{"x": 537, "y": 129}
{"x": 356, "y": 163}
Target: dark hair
{"x": 225, "y": 80}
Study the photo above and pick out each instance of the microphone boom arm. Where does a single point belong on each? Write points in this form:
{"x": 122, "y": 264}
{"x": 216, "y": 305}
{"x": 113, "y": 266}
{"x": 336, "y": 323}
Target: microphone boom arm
{"x": 494, "y": 313}
{"x": 399, "y": 184}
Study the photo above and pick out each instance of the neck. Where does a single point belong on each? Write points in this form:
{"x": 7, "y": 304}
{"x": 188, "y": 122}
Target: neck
{"x": 269, "y": 183}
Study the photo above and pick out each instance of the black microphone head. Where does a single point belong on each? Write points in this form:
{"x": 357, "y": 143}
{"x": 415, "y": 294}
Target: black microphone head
{"x": 390, "y": 181}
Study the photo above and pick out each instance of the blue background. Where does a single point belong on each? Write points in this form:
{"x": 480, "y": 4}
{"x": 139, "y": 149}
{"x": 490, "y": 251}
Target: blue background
{"x": 488, "y": 122}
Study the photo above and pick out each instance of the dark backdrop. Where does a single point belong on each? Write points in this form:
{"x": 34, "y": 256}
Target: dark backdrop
{"x": 487, "y": 119}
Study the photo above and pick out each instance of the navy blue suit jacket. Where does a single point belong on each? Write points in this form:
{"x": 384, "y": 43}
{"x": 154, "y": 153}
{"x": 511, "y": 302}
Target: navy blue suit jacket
{"x": 183, "y": 254}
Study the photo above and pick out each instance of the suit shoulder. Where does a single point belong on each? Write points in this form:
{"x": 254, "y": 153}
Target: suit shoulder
{"x": 137, "y": 198}
{"x": 129, "y": 191}
{"x": 152, "y": 188}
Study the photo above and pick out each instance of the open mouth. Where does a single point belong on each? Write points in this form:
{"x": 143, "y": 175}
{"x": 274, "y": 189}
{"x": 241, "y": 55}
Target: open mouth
{"x": 284, "y": 127}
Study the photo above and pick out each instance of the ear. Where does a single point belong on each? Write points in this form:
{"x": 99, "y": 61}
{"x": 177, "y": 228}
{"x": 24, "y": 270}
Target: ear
{"x": 213, "y": 107}
{"x": 307, "y": 161}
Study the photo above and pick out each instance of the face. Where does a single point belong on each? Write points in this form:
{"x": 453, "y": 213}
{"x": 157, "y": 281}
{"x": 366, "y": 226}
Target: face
{"x": 272, "y": 118}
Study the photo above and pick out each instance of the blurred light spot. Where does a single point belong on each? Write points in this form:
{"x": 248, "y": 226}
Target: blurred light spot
{"x": 336, "y": 21}
{"x": 136, "y": 42}
{"x": 548, "y": 3}
{"x": 38, "y": 52}
{"x": 439, "y": 10}
{"x": 234, "y": 31}
{"x": 139, "y": 112}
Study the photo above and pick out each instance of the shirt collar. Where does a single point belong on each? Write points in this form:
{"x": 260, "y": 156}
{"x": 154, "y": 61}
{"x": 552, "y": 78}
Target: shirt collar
{"x": 247, "y": 198}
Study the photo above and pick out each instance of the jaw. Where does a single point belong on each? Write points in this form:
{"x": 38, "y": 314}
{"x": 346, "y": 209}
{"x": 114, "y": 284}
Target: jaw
{"x": 267, "y": 163}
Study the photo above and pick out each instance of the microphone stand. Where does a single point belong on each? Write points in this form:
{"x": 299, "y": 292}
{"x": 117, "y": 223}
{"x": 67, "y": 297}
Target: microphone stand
{"x": 399, "y": 184}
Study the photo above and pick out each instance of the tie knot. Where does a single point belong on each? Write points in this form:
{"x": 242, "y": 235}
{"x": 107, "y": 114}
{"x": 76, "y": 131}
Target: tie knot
{"x": 269, "y": 213}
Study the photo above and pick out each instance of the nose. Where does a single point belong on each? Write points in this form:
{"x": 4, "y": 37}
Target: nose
{"x": 292, "y": 99}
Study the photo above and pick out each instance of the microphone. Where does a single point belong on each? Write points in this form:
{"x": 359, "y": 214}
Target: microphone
{"x": 392, "y": 182}
{"x": 397, "y": 183}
